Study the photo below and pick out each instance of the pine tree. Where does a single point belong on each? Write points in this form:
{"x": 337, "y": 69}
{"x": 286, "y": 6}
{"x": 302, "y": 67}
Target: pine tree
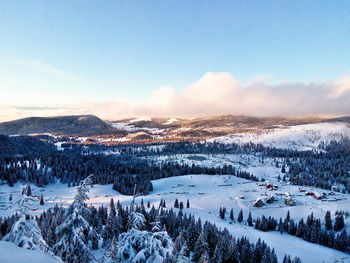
{"x": 94, "y": 239}
{"x": 288, "y": 215}
{"x": 231, "y": 215}
{"x": 25, "y": 232}
{"x": 114, "y": 249}
{"x": 181, "y": 205}
{"x": 192, "y": 234}
{"x": 28, "y": 190}
{"x": 296, "y": 260}
{"x": 182, "y": 257}
{"x": 339, "y": 222}
{"x": 266, "y": 257}
{"x": 112, "y": 207}
{"x": 138, "y": 245}
{"x": 250, "y": 219}
{"x": 188, "y": 203}
{"x": 283, "y": 170}
{"x": 280, "y": 226}
{"x": 176, "y": 203}
{"x": 201, "y": 248}
{"x": 111, "y": 229}
{"x": 217, "y": 255}
{"x": 222, "y": 213}
{"x": 300, "y": 228}
{"x": 240, "y": 216}
{"x": 287, "y": 259}
{"x": 41, "y": 200}
{"x": 180, "y": 246}
{"x": 71, "y": 234}
{"x": 328, "y": 220}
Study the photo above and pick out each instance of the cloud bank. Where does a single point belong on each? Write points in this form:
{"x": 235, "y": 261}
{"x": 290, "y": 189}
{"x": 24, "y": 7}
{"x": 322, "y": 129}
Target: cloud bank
{"x": 215, "y": 93}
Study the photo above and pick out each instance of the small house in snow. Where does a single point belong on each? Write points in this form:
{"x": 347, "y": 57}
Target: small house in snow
{"x": 316, "y": 195}
{"x": 270, "y": 186}
{"x": 270, "y": 199}
{"x": 289, "y": 201}
{"x": 258, "y": 203}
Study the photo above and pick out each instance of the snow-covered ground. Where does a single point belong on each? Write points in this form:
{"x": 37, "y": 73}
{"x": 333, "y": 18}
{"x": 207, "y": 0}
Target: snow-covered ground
{"x": 10, "y": 253}
{"x": 206, "y": 194}
{"x": 126, "y": 126}
{"x": 266, "y": 168}
{"x": 299, "y": 137}
{"x": 171, "y": 121}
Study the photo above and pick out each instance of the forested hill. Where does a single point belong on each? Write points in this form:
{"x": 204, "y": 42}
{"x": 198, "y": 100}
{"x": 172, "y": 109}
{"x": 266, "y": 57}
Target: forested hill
{"x": 81, "y": 125}
{"x": 23, "y": 145}
{"x": 340, "y": 119}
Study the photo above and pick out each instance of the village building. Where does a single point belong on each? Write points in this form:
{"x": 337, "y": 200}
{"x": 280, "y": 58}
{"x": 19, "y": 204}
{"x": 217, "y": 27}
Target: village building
{"x": 289, "y": 201}
{"x": 270, "y": 199}
{"x": 258, "y": 203}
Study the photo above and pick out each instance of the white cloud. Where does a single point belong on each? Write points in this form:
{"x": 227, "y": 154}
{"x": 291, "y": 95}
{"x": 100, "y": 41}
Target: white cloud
{"x": 341, "y": 87}
{"x": 221, "y": 93}
{"x": 217, "y": 93}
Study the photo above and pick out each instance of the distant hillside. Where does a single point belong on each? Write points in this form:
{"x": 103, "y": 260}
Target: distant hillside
{"x": 340, "y": 119}
{"x": 83, "y": 125}
{"x": 23, "y": 145}
{"x": 178, "y": 129}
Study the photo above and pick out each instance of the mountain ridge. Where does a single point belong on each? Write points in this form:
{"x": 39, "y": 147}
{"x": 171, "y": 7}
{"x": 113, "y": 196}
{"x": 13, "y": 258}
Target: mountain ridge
{"x": 81, "y": 125}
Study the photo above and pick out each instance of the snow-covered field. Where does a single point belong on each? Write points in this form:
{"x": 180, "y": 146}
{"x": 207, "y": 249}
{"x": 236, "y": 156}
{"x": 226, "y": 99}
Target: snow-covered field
{"x": 132, "y": 128}
{"x": 266, "y": 169}
{"x": 206, "y": 194}
{"x": 299, "y": 137}
{"x": 10, "y": 253}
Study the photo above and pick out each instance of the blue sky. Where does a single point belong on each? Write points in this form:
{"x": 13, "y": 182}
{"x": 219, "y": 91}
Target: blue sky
{"x": 65, "y": 52}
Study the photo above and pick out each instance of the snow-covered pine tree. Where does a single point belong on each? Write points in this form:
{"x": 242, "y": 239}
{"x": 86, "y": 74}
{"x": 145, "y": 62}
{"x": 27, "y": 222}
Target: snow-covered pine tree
{"x": 94, "y": 239}
{"x": 25, "y": 232}
{"x": 180, "y": 246}
{"x": 192, "y": 234}
{"x": 143, "y": 246}
{"x": 181, "y": 255}
{"x": 201, "y": 249}
{"x": 113, "y": 249}
{"x": 136, "y": 221}
{"x": 71, "y": 234}
{"x": 111, "y": 229}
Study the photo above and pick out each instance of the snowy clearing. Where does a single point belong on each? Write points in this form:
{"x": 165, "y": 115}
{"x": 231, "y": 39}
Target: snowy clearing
{"x": 206, "y": 194}
{"x": 299, "y": 137}
{"x": 10, "y": 253}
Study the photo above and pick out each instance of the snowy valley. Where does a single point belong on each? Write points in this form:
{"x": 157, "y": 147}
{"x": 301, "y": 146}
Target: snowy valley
{"x": 142, "y": 200}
